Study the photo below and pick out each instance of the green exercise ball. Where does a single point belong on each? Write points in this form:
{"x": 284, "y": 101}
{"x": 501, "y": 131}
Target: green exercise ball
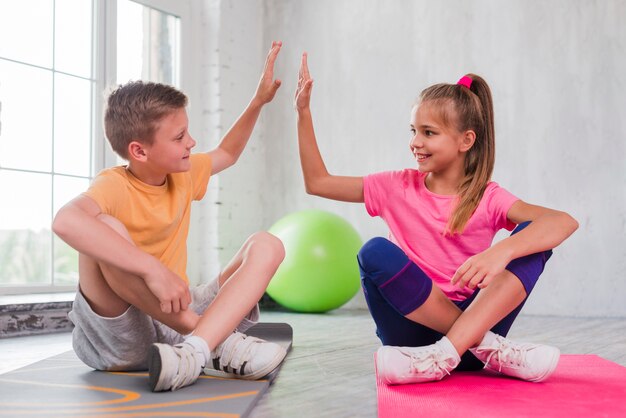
{"x": 320, "y": 271}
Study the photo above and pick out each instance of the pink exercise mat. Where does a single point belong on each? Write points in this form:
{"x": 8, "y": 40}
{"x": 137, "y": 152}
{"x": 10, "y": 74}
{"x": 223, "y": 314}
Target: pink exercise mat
{"x": 581, "y": 386}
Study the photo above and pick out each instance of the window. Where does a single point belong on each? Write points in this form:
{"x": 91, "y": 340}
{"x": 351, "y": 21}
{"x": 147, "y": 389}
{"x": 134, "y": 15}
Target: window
{"x": 54, "y": 66}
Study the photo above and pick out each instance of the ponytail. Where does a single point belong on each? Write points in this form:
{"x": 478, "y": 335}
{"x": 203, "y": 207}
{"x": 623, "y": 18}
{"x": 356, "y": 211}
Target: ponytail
{"x": 474, "y": 111}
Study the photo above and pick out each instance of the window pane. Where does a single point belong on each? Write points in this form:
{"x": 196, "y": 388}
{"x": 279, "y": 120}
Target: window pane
{"x": 65, "y": 257}
{"x": 25, "y": 236}
{"x": 147, "y": 44}
{"x": 129, "y": 41}
{"x": 25, "y": 29}
{"x": 163, "y": 48}
{"x": 25, "y": 117}
{"x": 72, "y": 125}
{"x": 73, "y": 29}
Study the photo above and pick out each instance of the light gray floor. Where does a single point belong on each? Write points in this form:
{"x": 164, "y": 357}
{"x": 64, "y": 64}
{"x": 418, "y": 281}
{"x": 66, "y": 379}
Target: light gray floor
{"x": 330, "y": 370}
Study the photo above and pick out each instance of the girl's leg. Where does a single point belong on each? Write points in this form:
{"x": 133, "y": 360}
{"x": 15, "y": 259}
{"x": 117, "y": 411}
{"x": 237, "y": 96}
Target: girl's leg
{"x": 394, "y": 286}
{"x": 491, "y": 305}
{"x": 407, "y": 309}
{"x": 504, "y": 299}
{"x": 496, "y": 306}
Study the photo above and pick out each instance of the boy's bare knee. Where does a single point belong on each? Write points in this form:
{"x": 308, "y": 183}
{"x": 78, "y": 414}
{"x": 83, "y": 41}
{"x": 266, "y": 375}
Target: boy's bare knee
{"x": 271, "y": 246}
{"x": 115, "y": 224}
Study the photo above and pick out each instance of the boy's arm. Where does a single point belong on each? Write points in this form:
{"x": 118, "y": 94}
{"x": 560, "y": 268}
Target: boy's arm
{"x": 76, "y": 223}
{"x": 548, "y": 229}
{"x": 233, "y": 143}
{"x": 317, "y": 180}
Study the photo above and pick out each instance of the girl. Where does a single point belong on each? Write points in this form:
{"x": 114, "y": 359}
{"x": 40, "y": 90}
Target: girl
{"x": 442, "y": 218}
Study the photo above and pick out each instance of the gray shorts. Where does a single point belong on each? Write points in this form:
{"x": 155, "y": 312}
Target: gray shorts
{"x": 122, "y": 343}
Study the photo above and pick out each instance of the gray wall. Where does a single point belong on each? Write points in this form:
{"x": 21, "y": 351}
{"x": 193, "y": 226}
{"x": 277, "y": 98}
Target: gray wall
{"x": 556, "y": 69}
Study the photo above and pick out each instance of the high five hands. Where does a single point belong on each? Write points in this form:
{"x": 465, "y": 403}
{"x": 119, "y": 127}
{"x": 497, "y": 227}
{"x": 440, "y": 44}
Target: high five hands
{"x": 267, "y": 87}
{"x": 305, "y": 83}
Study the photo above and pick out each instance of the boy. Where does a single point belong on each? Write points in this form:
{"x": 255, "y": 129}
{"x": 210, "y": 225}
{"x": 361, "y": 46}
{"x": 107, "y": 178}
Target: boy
{"x": 134, "y": 309}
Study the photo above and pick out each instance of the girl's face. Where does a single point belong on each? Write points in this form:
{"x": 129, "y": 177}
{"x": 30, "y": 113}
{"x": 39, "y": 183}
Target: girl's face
{"x": 436, "y": 146}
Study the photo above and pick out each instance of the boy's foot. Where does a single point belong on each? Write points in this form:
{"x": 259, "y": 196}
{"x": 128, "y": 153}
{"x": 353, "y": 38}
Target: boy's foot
{"x": 401, "y": 365}
{"x": 244, "y": 357}
{"x": 172, "y": 367}
{"x": 531, "y": 362}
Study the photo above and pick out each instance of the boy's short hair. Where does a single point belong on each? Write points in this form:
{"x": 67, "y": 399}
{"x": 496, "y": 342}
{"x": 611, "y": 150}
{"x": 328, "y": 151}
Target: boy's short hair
{"x": 134, "y": 109}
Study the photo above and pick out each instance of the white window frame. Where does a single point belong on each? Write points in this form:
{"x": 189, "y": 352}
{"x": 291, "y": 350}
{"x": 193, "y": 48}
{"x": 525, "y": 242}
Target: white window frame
{"x": 106, "y": 61}
{"x": 105, "y": 69}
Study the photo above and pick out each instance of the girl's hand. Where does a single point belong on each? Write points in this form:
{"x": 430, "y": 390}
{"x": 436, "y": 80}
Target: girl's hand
{"x": 480, "y": 269}
{"x": 305, "y": 83}
{"x": 267, "y": 87}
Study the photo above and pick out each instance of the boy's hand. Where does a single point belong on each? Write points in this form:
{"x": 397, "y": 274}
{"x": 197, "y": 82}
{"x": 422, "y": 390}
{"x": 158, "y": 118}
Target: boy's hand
{"x": 171, "y": 291}
{"x": 267, "y": 87}
{"x": 305, "y": 83}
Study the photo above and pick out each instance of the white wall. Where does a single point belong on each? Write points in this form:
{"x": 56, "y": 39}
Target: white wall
{"x": 556, "y": 69}
{"x": 230, "y": 63}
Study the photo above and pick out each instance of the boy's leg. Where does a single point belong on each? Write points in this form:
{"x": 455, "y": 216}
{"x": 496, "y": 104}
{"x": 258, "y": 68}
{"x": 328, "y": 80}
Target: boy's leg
{"x": 242, "y": 284}
{"x": 110, "y": 291}
{"x": 110, "y": 333}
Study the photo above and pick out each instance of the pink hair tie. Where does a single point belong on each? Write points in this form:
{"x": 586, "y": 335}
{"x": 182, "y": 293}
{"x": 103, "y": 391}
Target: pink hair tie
{"x": 465, "y": 81}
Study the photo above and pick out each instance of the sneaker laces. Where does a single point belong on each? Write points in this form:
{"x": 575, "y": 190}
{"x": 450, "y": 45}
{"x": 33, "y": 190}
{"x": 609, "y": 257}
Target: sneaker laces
{"x": 432, "y": 361}
{"x": 187, "y": 372}
{"x": 506, "y": 353}
{"x": 234, "y": 352}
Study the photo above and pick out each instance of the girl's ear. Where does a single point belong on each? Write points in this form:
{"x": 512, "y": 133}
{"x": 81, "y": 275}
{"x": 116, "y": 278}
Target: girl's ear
{"x": 137, "y": 151}
{"x": 469, "y": 137}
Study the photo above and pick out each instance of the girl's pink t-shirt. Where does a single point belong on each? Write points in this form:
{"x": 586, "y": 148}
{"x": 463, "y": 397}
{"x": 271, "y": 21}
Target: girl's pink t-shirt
{"x": 417, "y": 219}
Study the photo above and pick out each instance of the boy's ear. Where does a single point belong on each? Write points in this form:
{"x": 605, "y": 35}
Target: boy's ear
{"x": 469, "y": 137}
{"x": 137, "y": 151}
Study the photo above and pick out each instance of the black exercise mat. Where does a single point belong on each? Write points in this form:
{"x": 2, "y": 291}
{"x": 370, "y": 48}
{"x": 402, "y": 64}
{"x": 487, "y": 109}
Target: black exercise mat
{"x": 62, "y": 386}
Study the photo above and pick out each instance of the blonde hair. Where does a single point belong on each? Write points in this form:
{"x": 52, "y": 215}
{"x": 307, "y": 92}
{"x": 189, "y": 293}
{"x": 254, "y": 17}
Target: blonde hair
{"x": 134, "y": 110}
{"x": 473, "y": 110}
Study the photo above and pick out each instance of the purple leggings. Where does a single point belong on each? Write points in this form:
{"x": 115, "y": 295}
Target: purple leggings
{"x": 394, "y": 286}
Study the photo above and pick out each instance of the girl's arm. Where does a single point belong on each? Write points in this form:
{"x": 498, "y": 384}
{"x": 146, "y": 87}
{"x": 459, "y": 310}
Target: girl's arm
{"x": 317, "y": 180}
{"x": 548, "y": 229}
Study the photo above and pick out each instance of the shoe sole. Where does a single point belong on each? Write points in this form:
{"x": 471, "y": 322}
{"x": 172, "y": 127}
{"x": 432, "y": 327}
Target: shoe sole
{"x": 280, "y": 356}
{"x": 155, "y": 369}
{"x": 380, "y": 366}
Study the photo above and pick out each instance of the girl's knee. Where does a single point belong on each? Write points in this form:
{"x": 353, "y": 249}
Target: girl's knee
{"x": 380, "y": 254}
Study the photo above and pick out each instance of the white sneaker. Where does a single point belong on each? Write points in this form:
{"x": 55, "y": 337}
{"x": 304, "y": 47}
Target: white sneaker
{"x": 244, "y": 357}
{"x": 172, "y": 367}
{"x": 401, "y": 365}
{"x": 531, "y": 362}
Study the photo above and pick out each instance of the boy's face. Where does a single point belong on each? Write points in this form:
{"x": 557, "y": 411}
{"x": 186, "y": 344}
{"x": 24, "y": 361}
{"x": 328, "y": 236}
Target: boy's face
{"x": 169, "y": 152}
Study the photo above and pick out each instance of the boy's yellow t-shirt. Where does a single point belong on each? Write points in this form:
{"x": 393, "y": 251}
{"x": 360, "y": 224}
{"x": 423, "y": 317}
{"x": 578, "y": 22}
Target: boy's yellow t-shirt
{"x": 157, "y": 217}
